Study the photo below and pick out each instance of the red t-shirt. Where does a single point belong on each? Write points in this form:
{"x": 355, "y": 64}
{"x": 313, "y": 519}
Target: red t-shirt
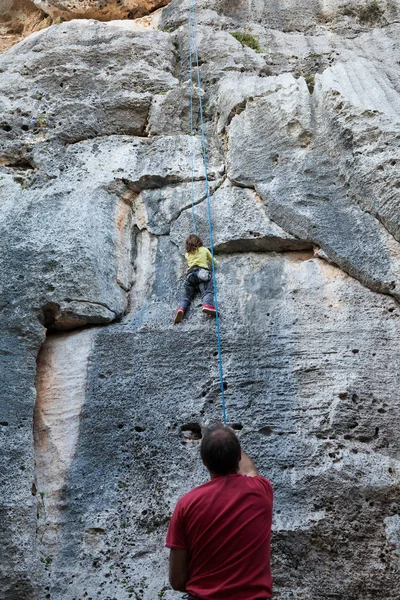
{"x": 225, "y": 524}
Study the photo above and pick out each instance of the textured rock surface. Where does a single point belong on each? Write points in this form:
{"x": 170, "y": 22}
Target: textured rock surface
{"x": 297, "y": 171}
{"x": 241, "y": 224}
{"x": 18, "y": 18}
{"x": 289, "y": 15}
{"x": 54, "y": 107}
{"x": 96, "y": 194}
{"x": 98, "y": 9}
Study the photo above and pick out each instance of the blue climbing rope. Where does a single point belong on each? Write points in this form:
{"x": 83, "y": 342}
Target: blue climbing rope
{"x": 192, "y": 121}
{"x": 193, "y": 44}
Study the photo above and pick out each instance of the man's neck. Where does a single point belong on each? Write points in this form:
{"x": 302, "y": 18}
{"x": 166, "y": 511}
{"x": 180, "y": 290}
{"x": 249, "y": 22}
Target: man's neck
{"x": 215, "y": 475}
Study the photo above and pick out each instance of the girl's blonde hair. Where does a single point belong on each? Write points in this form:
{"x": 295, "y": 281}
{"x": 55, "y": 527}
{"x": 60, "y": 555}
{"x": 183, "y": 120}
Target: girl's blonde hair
{"x": 192, "y": 243}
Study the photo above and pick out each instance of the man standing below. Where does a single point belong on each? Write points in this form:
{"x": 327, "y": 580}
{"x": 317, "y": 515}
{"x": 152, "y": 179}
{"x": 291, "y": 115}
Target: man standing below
{"x": 219, "y": 534}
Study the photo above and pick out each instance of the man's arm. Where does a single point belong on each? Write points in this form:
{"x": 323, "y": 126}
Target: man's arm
{"x": 178, "y": 569}
{"x": 246, "y": 466}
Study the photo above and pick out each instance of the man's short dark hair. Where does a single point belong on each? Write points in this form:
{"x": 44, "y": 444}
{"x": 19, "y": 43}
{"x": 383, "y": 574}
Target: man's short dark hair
{"x": 220, "y": 449}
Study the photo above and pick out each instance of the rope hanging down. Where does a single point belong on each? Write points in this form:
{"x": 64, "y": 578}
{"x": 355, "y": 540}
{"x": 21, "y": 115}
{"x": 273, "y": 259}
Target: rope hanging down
{"x": 191, "y": 29}
{"x": 193, "y": 46}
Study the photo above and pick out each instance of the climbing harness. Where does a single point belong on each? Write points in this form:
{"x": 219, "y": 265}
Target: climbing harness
{"x": 198, "y": 275}
{"x": 194, "y": 51}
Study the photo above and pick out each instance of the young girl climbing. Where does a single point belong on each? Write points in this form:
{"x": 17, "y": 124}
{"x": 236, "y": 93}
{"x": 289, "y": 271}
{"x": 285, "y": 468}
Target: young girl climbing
{"x": 198, "y": 278}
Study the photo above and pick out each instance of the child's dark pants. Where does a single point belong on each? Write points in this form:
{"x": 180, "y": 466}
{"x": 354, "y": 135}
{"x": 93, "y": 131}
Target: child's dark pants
{"x": 205, "y": 288}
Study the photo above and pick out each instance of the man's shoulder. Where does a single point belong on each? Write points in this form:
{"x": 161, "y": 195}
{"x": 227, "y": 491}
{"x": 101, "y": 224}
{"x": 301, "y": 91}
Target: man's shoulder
{"x": 259, "y": 481}
{"x": 213, "y": 485}
{"x": 195, "y": 493}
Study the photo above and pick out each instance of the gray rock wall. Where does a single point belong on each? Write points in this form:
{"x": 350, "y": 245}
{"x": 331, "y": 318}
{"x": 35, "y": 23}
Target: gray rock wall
{"x": 102, "y": 398}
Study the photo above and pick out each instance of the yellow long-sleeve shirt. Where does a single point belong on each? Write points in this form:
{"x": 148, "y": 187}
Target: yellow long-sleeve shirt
{"x": 200, "y": 258}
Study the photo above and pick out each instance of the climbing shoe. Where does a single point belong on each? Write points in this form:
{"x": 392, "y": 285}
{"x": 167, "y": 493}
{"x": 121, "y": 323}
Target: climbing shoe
{"x": 209, "y": 310}
{"x": 178, "y": 316}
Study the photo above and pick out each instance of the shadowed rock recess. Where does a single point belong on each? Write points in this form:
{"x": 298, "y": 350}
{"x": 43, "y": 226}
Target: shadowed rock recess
{"x": 102, "y": 398}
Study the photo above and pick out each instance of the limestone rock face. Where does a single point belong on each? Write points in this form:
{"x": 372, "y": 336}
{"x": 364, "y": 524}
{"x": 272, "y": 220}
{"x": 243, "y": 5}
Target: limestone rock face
{"x": 18, "y": 18}
{"x": 241, "y": 224}
{"x": 102, "y": 398}
{"x": 54, "y": 107}
{"x": 99, "y": 9}
{"x": 290, "y": 15}
{"x": 298, "y": 173}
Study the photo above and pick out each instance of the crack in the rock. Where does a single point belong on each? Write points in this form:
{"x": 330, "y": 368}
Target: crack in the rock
{"x": 19, "y": 164}
{"x": 150, "y": 232}
{"x": 67, "y": 144}
{"x": 147, "y": 122}
{"x": 89, "y": 302}
{"x": 123, "y": 287}
{"x": 385, "y": 25}
{"x": 242, "y": 106}
{"x": 369, "y": 211}
{"x": 152, "y": 12}
{"x": 277, "y": 250}
{"x": 378, "y": 218}
{"x": 158, "y": 182}
{"x": 196, "y": 202}
{"x": 334, "y": 262}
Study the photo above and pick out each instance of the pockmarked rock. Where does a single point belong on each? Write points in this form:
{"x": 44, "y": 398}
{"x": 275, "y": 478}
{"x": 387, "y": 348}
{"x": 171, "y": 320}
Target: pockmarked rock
{"x": 291, "y": 16}
{"x": 19, "y": 17}
{"x": 122, "y": 68}
{"x": 97, "y": 9}
{"x": 283, "y": 311}
{"x": 171, "y": 112}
